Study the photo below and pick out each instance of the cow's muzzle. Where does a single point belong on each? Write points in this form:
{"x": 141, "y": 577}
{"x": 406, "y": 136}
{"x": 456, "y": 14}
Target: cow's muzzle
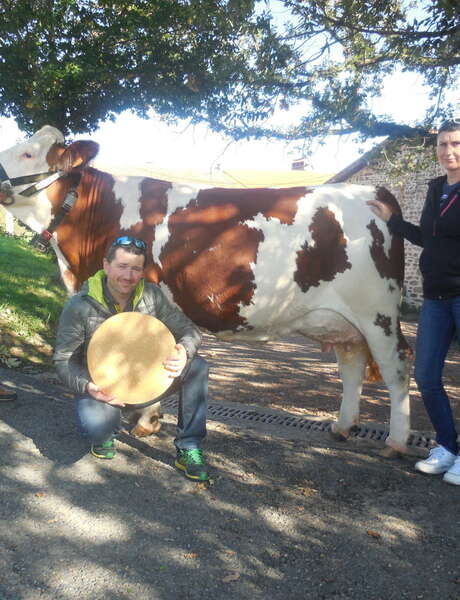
{"x": 6, "y": 193}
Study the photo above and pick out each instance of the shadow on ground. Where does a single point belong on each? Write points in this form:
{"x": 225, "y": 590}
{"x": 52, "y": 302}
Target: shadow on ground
{"x": 284, "y": 519}
{"x": 294, "y": 375}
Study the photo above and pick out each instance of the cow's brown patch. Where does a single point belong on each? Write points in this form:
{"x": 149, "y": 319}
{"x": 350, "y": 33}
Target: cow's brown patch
{"x": 405, "y": 352}
{"x": 54, "y": 154}
{"x": 384, "y": 322}
{"x": 212, "y": 212}
{"x": 91, "y": 225}
{"x": 243, "y": 205}
{"x": 207, "y": 260}
{"x": 383, "y": 195}
{"x": 373, "y": 374}
{"x": 215, "y": 215}
{"x": 327, "y": 257}
{"x": 391, "y": 266}
{"x": 207, "y": 265}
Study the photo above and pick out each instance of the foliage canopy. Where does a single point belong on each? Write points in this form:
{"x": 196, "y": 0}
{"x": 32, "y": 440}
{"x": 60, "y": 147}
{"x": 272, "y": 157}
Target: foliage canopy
{"x": 73, "y": 63}
{"x": 349, "y": 46}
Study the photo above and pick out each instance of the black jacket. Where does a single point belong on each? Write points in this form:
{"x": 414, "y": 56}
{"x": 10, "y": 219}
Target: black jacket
{"x": 439, "y": 236}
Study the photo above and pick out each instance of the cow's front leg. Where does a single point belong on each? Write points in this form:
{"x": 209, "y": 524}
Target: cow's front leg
{"x": 351, "y": 361}
{"x": 148, "y": 422}
{"x": 68, "y": 278}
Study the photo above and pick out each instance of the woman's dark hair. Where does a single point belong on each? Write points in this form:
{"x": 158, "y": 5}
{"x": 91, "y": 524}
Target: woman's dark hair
{"x": 450, "y": 125}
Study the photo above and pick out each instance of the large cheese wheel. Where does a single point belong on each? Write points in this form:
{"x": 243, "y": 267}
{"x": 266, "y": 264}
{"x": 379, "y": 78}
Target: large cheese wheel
{"x": 126, "y": 355}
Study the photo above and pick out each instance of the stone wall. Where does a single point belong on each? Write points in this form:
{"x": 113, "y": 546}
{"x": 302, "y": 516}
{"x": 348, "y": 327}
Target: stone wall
{"x": 410, "y": 191}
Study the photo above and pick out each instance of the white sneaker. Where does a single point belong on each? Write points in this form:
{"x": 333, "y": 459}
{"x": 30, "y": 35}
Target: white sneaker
{"x": 439, "y": 461}
{"x": 453, "y": 474}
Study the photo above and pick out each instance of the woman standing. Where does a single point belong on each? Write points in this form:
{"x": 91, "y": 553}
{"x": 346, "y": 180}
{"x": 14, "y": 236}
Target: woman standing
{"x": 439, "y": 236}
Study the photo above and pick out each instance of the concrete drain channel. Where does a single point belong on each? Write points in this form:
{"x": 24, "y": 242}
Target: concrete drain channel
{"x": 301, "y": 425}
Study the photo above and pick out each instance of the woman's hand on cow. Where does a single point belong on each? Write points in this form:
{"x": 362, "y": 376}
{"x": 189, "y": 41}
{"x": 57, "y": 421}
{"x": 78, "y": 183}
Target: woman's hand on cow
{"x": 380, "y": 209}
{"x": 175, "y": 363}
{"x": 98, "y": 394}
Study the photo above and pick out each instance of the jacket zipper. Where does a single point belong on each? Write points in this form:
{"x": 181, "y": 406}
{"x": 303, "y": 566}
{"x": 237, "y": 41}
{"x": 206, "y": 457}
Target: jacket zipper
{"x": 443, "y": 212}
{"x": 446, "y": 208}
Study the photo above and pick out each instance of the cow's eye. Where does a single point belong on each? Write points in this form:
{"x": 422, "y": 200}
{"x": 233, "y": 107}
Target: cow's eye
{"x": 26, "y": 155}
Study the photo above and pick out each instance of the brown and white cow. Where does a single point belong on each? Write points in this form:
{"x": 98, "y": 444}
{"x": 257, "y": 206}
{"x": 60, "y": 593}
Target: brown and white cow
{"x": 245, "y": 264}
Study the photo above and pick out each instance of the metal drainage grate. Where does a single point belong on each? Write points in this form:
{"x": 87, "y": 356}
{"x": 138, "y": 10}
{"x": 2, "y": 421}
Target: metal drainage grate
{"x": 418, "y": 440}
{"x": 221, "y": 412}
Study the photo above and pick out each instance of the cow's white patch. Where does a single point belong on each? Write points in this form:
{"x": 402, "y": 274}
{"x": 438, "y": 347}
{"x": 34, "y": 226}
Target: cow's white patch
{"x": 127, "y": 191}
{"x": 34, "y": 211}
{"x": 278, "y": 305}
{"x": 178, "y": 197}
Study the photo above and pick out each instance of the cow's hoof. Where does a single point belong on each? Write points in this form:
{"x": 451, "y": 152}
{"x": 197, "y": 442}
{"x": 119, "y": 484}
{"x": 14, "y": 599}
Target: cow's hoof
{"x": 155, "y": 425}
{"x": 389, "y": 452}
{"x": 337, "y": 435}
{"x": 141, "y": 431}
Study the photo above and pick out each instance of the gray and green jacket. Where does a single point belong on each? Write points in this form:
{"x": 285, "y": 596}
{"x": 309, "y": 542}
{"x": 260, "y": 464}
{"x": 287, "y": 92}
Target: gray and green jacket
{"x": 88, "y": 309}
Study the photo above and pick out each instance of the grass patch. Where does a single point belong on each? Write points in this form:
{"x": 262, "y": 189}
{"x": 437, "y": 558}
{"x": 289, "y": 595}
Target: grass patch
{"x": 31, "y": 300}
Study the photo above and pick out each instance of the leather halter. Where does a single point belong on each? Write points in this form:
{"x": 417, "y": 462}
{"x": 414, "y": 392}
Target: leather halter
{"x": 41, "y": 241}
{"x": 40, "y": 181}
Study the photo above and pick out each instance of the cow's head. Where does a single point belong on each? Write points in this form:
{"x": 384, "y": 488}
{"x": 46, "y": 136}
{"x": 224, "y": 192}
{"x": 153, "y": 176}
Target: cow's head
{"x": 20, "y": 164}
{"x": 35, "y": 159}
{"x": 25, "y": 171}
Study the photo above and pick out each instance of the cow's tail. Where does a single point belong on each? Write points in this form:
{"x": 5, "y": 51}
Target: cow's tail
{"x": 372, "y": 370}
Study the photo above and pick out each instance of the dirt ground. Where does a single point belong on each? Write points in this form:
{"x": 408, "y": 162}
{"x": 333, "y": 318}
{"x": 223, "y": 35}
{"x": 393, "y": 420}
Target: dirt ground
{"x": 286, "y": 518}
{"x": 294, "y": 375}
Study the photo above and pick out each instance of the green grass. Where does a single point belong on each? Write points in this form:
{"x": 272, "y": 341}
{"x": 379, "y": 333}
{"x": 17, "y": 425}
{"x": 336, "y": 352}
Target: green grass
{"x": 31, "y": 300}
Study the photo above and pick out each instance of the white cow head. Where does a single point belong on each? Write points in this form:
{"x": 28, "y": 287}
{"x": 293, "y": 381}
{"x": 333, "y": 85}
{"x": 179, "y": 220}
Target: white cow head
{"x": 27, "y": 159}
{"x": 38, "y": 157}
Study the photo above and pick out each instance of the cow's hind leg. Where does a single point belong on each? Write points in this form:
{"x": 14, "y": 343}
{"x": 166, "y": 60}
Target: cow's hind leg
{"x": 352, "y": 360}
{"x": 394, "y": 358}
{"x": 148, "y": 421}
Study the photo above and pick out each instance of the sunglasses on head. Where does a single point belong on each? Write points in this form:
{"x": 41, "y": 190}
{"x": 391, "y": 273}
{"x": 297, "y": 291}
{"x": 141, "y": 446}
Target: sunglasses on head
{"x": 127, "y": 240}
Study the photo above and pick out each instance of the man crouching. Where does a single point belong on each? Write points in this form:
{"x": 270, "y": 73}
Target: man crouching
{"x": 120, "y": 287}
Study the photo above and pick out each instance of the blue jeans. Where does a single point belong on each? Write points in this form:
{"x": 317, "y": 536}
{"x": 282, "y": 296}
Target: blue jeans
{"x": 439, "y": 321}
{"x": 100, "y": 421}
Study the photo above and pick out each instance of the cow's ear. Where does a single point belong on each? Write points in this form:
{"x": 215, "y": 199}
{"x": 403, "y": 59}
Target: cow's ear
{"x": 54, "y": 154}
{"x": 76, "y": 155}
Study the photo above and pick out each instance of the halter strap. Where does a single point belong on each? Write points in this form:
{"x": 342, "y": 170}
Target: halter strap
{"x": 41, "y": 241}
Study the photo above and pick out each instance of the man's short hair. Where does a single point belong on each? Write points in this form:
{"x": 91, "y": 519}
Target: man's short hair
{"x": 128, "y": 244}
{"x": 450, "y": 125}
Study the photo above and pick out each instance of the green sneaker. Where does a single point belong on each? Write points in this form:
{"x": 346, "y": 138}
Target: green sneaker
{"x": 192, "y": 463}
{"x": 105, "y": 450}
